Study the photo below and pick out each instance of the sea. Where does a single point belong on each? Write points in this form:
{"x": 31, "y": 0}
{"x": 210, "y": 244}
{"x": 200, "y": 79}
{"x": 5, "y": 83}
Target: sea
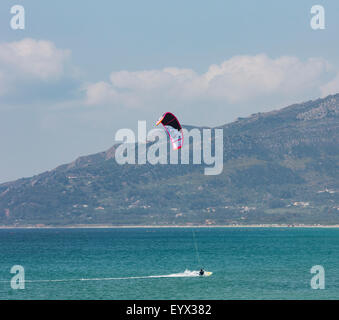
{"x": 248, "y": 263}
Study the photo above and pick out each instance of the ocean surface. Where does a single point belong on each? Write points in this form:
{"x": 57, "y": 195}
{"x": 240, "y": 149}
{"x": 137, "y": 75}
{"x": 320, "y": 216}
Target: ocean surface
{"x": 161, "y": 263}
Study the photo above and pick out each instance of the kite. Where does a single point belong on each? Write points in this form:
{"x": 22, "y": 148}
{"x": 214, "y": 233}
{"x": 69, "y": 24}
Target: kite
{"x": 173, "y": 128}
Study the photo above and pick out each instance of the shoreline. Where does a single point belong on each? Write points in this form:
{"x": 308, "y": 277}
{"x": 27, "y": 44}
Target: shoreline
{"x": 171, "y": 226}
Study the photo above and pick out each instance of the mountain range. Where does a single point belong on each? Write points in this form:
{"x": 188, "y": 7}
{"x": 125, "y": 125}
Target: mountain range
{"x": 280, "y": 167}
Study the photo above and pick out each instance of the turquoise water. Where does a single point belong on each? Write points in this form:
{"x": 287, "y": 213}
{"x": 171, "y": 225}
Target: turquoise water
{"x": 247, "y": 263}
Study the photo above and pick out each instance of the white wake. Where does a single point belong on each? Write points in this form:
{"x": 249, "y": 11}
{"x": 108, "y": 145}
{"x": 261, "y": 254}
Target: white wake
{"x": 186, "y": 273}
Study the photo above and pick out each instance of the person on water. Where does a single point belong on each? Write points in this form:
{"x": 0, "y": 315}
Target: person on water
{"x": 201, "y": 272}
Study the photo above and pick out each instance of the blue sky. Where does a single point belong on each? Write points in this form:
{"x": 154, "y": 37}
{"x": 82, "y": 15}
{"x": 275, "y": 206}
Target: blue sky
{"x": 81, "y": 70}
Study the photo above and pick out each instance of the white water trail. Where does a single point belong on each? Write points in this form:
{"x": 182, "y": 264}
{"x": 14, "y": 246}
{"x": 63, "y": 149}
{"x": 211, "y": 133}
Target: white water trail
{"x": 186, "y": 273}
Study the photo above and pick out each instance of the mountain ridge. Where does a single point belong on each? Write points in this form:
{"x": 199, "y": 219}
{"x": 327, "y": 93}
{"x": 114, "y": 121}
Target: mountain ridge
{"x": 280, "y": 166}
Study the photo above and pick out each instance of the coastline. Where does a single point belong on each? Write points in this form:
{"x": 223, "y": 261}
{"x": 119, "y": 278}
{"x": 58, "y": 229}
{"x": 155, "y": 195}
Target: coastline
{"x": 170, "y": 226}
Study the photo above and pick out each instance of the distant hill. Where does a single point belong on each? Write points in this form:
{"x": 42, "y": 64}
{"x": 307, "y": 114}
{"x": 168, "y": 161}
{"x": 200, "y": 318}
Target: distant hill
{"x": 279, "y": 167}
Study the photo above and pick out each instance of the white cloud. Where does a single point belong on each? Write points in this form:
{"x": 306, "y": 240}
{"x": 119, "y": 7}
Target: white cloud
{"x": 99, "y": 92}
{"x": 246, "y": 77}
{"x": 238, "y": 79}
{"x": 28, "y": 62}
{"x": 332, "y": 87}
{"x": 36, "y": 58}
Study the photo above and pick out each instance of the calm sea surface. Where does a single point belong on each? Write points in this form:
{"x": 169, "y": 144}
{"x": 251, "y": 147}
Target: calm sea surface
{"x": 150, "y": 263}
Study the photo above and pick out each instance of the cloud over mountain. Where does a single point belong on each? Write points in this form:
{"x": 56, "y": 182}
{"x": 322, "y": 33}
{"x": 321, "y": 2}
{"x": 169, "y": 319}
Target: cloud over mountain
{"x": 238, "y": 79}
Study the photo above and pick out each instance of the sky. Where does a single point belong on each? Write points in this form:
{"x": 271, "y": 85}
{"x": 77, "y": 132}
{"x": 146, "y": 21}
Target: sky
{"x": 81, "y": 70}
